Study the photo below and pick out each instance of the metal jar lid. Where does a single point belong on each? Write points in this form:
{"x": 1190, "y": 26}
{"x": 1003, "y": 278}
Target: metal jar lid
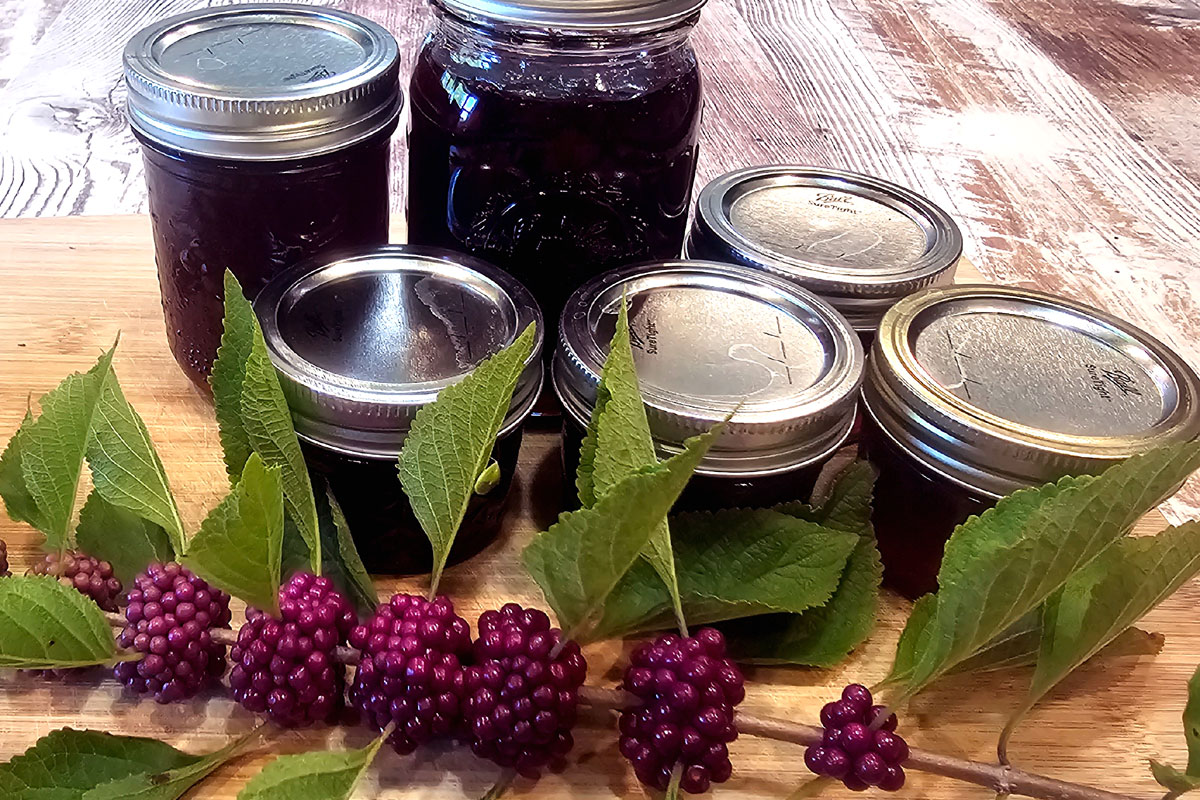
{"x": 859, "y": 242}
{"x": 574, "y": 16}
{"x": 362, "y": 342}
{"x": 262, "y": 81}
{"x": 1000, "y": 388}
{"x": 711, "y": 338}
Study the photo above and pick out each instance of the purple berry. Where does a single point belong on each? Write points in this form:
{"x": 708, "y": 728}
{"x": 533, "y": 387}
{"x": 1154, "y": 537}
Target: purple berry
{"x": 89, "y": 576}
{"x": 411, "y": 669}
{"x": 889, "y": 724}
{"x": 180, "y": 655}
{"x": 521, "y": 704}
{"x": 854, "y": 784}
{"x": 3, "y": 559}
{"x": 814, "y": 759}
{"x": 688, "y": 690}
{"x": 893, "y": 748}
{"x": 857, "y": 697}
{"x": 870, "y": 768}
{"x": 839, "y": 714}
{"x": 285, "y": 667}
{"x": 856, "y": 739}
{"x": 893, "y": 781}
{"x": 837, "y": 763}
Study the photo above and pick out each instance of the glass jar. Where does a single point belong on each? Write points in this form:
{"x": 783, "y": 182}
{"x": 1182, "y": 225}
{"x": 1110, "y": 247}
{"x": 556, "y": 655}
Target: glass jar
{"x": 363, "y": 342}
{"x": 265, "y": 133}
{"x": 974, "y": 392}
{"x": 710, "y": 339}
{"x": 555, "y": 138}
{"x": 860, "y": 243}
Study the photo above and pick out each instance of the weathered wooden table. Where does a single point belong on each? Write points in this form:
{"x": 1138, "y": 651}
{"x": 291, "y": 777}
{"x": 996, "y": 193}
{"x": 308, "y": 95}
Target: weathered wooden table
{"x": 68, "y": 286}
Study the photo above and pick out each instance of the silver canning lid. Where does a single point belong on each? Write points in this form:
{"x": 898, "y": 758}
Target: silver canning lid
{"x": 575, "y": 16}
{"x": 708, "y": 337}
{"x": 1000, "y": 388}
{"x": 859, "y": 242}
{"x": 262, "y": 81}
{"x": 364, "y": 341}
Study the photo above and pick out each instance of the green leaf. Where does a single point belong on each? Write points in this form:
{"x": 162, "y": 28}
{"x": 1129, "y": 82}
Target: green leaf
{"x": 229, "y": 374}
{"x": 450, "y": 444}
{"x": 1006, "y": 562}
{"x": 52, "y": 453}
{"x": 239, "y": 546}
{"x": 253, "y": 415}
{"x": 343, "y": 565}
{"x": 623, "y": 445}
{"x": 45, "y": 625}
{"x": 1107, "y": 596}
{"x": 320, "y": 775}
{"x": 580, "y": 559}
{"x": 121, "y": 537}
{"x": 18, "y": 500}
{"x": 824, "y": 636}
{"x": 489, "y": 479}
{"x": 585, "y": 473}
{"x": 1171, "y": 778}
{"x": 126, "y": 469}
{"x": 168, "y": 784}
{"x": 66, "y": 763}
{"x": 1018, "y": 647}
{"x": 731, "y": 564}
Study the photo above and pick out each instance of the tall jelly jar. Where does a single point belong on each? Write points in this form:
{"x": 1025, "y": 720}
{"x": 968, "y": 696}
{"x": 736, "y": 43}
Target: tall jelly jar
{"x": 362, "y": 342}
{"x": 265, "y": 132}
{"x": 973, "y": 392}
{"x": 710, "y": 340}
{"x": 555, "y": 138}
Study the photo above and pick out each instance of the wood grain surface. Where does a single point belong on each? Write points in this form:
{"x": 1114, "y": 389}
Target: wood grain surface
{"x": 71, "y": 285}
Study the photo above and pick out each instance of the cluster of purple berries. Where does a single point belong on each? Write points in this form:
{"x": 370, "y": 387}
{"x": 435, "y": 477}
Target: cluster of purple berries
{"x": 859, "y": 748}
{"x": 169, "y": 615}
{"x": 285, "y": 667}
{"x": 522, "y": 691}
{"x": 91, "y": 577}
{"x": 689, "y": 690}
{"x": 410, "y": 671}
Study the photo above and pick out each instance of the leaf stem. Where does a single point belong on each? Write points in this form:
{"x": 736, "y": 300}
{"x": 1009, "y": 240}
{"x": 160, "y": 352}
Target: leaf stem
{"x": 999, "y": 778}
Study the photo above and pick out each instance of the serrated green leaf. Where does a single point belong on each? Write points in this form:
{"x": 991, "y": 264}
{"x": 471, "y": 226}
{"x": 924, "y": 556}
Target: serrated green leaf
{"x": 450, "y": 444}
{"x": 343, "y": 565}
{"x": 18, "y": 501}
{"x": 623, "y": 445}
{"x": 1172, "y": 779}
{"x": 229, "y": 374}
{"x": 1018, "y": 647}
{"x": 824, "y": 636}
{"x": 239, "y": 546}
{"x": 585, "y": 477}
{"x": 320, "y": 775}
{"x": 45, "y": 625}
{"x": 66, "y": 763}
{"x": 121, "y": 537}
{"x": 171, "y": 783}
{"x": 52, "y": 454}
{"x": 1005, "y": 563}
{"x": 731, "y": 564}
{"x": 1104, "y": 598}
{"x": 126, "y": 469}
{"x": 582, "y": 557}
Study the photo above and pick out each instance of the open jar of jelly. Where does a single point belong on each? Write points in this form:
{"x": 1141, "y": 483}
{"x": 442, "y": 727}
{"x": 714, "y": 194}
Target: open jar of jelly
{"x": 973, "y": 392}
{"x": 710, "y": 339}
{"x": 361, "y": 344}
{"x": 265, "y": 132}
{"x": 858, "y": 242}
{"x": 555, "y": 138}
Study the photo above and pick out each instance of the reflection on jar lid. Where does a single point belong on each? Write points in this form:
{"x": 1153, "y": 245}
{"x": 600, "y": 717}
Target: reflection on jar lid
{"x": 364, "y": 341}
{"x": 1000, "y": 388}
{"x": 859, "y": 242}
{"x": 575, "y": 16}
{"x": 710, "y": 339}
{"x": 262, "y": 81}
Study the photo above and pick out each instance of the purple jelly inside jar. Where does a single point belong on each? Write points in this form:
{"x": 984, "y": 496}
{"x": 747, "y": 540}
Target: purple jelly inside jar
{"x": 553, "y": 139}
{"x": 265, "y": 131}
{"x": 364, "y": 341}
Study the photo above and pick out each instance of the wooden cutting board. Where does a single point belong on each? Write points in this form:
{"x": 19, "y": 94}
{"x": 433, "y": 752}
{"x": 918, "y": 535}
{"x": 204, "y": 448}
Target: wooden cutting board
{"x": 69, "y": 286}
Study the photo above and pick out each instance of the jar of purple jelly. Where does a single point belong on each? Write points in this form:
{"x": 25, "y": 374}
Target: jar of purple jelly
{"x": 555, "y": 138}
{"x": 265, "y": 131}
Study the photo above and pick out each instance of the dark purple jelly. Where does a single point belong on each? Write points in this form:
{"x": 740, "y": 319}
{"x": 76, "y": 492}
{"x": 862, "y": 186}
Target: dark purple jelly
{"x": 553, "y": 160}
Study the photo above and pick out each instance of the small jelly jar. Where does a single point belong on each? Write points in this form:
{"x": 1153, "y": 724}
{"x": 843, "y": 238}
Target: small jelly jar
{"x": 265, "y": 133}
{"x": 710, "y": 339}
{"x": 365, "y": 341}
{"x": 973, "y": 392}
{"x": 860, "y": 243}
{"x": 555, "y": 138}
